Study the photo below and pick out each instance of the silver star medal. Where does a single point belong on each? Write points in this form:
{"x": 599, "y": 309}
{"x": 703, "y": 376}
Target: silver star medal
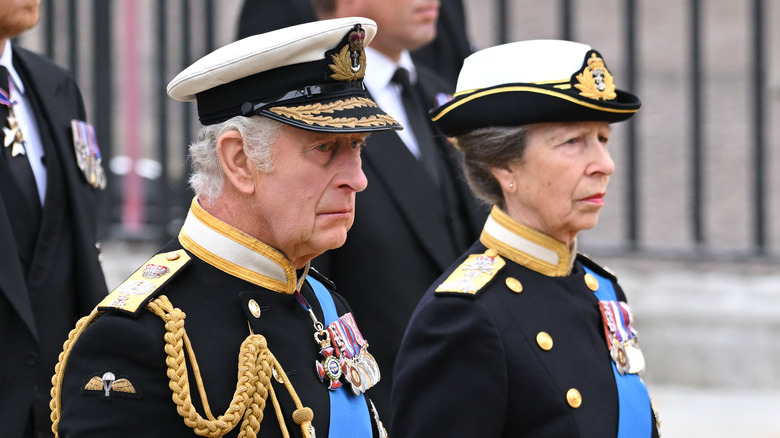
{"x": 13, "y": 135}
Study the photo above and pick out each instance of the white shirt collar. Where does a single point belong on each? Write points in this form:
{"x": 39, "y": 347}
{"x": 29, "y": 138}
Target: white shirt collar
{"x": 380, "y": 68}
{"x": 6, "y": 60}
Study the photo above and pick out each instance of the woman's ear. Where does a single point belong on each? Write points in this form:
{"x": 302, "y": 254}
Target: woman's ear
{"x": 505, "y": 177}
{"x": 235, "y": 164}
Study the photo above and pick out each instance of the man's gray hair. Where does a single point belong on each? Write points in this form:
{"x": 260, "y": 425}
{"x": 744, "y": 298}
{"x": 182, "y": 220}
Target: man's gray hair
{"x": 258, "y": 132}
{"x": 486, "y": 148}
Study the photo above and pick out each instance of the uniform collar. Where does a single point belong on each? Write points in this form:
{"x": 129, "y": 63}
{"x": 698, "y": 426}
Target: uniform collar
{"x": 235, "y": 252}
{"x": 6, "y": 60}
{"x": 527, "y": 247}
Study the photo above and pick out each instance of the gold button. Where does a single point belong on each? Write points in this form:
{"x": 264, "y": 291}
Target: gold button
{"x": 591, "y": 282}
{"x": 254, "y": 308}
{"x": 491, "y": 253}
{"x": 544, "y": 340}
{"x": 514, "y": 285}
{"x": 171, "y": 256}
{"x": 574, "y": 398}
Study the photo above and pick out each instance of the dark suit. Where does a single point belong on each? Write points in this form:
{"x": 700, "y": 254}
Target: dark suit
{"x": 65, "y": 279}
{"x": 445, "y": 54}
{"x": 406, "y": 233}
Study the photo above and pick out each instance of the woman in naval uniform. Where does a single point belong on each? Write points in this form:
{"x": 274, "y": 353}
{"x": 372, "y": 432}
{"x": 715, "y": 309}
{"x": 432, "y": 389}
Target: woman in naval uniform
{"x": 523, "y": 336}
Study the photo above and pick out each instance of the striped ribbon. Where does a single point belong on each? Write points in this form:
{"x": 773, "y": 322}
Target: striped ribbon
{"x": 349, "y": 414}
{"x": 634, "y": 413}
{"x": 345, "y": 334}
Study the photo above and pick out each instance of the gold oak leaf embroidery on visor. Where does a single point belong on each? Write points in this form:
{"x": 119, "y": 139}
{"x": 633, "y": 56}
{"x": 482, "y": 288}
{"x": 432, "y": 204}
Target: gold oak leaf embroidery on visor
{"x": 312, "y": 114}
{"x": 595, "y": 81}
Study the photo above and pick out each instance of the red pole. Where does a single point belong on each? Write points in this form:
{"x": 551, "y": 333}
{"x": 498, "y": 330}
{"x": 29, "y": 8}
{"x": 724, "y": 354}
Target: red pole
{"x": 133, "y": 196}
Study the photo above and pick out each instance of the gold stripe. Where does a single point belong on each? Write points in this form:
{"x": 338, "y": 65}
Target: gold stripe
{"x": 532, "y": 90}
{"x": 232, "y": 268}
{"x": 564, "y": 255}
{"x": 132, "y": 301}
{"x": 246, "y": 240}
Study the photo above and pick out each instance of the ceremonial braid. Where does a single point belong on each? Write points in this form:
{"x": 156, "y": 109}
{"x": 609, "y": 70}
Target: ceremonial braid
{"x": 256, "y": 366}
{"x": 59, "y": 369}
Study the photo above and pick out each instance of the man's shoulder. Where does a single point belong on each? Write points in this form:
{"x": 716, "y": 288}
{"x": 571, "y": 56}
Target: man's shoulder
{"x": 145, "y": 283}
{"x": 36, "y": 63}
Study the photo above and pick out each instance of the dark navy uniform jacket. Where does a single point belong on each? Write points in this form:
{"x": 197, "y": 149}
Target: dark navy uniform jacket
{"x": 214, "y": 289}
{"x": 518, "y": 352}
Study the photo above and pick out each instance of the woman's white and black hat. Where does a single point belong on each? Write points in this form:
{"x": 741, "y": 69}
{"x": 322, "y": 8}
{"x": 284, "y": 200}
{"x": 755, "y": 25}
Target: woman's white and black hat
{"x": 535, "y": 81}
{"x": 309, "y": 76}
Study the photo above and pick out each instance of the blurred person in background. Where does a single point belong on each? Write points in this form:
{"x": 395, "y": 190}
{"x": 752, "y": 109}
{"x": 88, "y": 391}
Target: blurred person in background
{"x": 444, "y": 55}
{"x": 269, "y": 348}
{"x": 417, "y": 214}
{"x": 523, "y": 336}
{"x": 50, "y": 171}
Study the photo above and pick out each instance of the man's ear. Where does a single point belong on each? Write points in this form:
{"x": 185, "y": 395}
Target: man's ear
{"x": 235, "y": 164}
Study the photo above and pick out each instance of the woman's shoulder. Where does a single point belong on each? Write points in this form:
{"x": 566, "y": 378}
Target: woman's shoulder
{"x": 590, "y": 263}
{"x": 471, "y": 274}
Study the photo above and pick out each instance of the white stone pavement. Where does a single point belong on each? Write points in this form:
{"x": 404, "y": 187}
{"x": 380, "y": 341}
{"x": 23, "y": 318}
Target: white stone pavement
{"x": 690, "y": 412}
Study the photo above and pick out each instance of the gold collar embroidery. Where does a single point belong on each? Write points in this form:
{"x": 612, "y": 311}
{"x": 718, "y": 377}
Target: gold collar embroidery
{"x": 527, "y": 247}
{"x": 235, "y": 252}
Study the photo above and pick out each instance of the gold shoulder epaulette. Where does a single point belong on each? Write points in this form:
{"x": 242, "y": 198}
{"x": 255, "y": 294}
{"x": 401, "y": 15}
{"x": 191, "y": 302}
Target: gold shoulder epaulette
{"x": 473, "y": 274}
{"x": 132, "y": 295}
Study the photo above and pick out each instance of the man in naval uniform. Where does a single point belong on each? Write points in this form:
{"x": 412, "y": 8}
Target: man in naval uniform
{"x": 227, "y": 332}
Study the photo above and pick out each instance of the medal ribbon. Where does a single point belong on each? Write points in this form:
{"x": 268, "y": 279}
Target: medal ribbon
{"x": 617, "y": 321}
{"x": 634, "y": 414}
{"x": 348, "y": 413}
{"x": 5, "y": 99}
{"x": 345, "y": 334}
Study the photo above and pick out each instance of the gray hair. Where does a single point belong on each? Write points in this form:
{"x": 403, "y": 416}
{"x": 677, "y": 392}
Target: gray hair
{"x": 258, "y": 132}
{"x": 486, "y": 148}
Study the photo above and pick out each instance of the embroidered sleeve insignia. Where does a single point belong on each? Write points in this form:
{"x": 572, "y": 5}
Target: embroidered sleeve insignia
{"x": 132, "y": 295}
{"x": 473, "y": 274}
{"x": 108, "y": 384}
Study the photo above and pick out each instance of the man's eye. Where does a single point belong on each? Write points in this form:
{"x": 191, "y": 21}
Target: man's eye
{"x": 357, "y": 144}
{"x": 323, "y": 147}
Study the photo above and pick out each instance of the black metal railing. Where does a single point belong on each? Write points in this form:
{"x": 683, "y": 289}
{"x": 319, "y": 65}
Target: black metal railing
{"x": 183, "y": 30}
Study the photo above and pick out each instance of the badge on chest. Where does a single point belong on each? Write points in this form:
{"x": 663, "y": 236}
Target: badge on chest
{"x": 345, "y": 354}
{"x": 621, "y": 337}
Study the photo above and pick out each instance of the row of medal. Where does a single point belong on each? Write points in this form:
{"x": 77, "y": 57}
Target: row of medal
{"x": 621, "y": 337}
{"x": 345, "y": 354}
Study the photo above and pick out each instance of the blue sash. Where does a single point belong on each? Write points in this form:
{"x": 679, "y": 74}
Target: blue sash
{"x": 348, "y": 412}
{"x": 634, "y": 416}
